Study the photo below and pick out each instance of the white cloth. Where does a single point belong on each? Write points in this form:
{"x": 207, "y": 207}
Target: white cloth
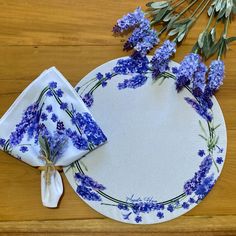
{"x": 56, "y": 106}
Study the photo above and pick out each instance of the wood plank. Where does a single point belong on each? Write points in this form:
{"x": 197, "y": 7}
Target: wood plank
{"x": 184, "y": 224}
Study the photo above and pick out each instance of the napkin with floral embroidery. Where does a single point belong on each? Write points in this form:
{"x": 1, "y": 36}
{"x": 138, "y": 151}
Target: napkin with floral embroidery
{"x": 48, "y": 126}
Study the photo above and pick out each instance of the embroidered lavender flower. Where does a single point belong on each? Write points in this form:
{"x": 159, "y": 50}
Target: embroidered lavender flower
{"x": 129, "y": 21}
{"x": 87, "y": 186}
{"x": 185, "y": 72}
{"x": 49, "y": 108}
{"x": 88, "y": 182}
{"x": 59, "y": 93}
{"x": 135, "y": 82}
{"x": 64, "y": 106}
{"x": 88, "y": 99}
{"x": 219, "y": 160}
{"x": 215, "y": 76}
{"x": 44, "y": 116}
{"x": 192, "y": 185}
{"x": 52, "y": 85}
{"x": 161, "y": 58}
{"x": 77, "y": 140}
{"x": 138, "y": 219}
{"x": 205, "y": 187}
{"x": 28, "y": 124}
{"x": 202, "y": 110}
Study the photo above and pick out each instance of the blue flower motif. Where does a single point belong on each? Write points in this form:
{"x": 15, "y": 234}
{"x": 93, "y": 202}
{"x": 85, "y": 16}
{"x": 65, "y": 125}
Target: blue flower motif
{"x": 60, "y": 125}
{"x": 108, "y": 75}
{"x": 99, "y": 76}
{"x": 191, "y": 200}
{"x": 44, "y": 116}
{"x": 2, "y": 142}
{"x": 160, "y": 214}
{"x": 54, "y": 118}
{"x": 52, "y": 85}
{"x": 88, "y": 99}
{"x": 219, "y": 160}
{"x": 49, "y": 108}
{"x": 201, "y": 153}
{"x": 59, "y": 93}
{"x": 24, "y": 149}
{"x": 170, "y": 208}
{"x": 161, "y": 58}
{"x": 138, "y": 219}
{"x": 64, "y": 106}
{"x": 49, "y": 93}
{"x": 123, "y": 207}
{"x": 134, "y": 82}
{"x": 185, "y": 205}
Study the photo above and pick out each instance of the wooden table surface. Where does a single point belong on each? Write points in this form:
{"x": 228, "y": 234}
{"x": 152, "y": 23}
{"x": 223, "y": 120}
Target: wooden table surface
{"x": 75, "y": 36}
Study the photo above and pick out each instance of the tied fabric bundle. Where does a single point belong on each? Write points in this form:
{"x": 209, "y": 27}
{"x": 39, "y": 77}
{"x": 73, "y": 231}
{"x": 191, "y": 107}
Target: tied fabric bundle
{"x": 49, "y": 126}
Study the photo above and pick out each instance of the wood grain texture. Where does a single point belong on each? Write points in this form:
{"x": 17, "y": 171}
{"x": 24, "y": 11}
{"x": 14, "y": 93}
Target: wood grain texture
{"x": 75, "y": 36}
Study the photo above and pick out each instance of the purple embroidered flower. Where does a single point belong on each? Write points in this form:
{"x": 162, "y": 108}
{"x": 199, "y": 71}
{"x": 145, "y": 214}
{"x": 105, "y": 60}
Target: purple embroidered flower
{"x": 191, "y": 200}
{"x": 161, "y": 58}
{"x": 185, "y": 72}
{"x": 128, "y": 21}
{"x": 201, "y": 110}
{"x": 49, "y": 108}
{"x": 191, "y": 185}
{"x": 44, "y": 116}
{"x": 134, "y": 82}
{"x": 138, "y": 219}
{"x": 2, "y": 142}
{"x": 201, "y": 153}
{"x": 88, "y": 99}
{"x": 160, "y": 215}
{"x": 52, "y": 85}
{"x": 219, "y": 160}
{"x": 64, "y": 106}
{"x": 59, "y": 93}
{"x": 60, "y": 125}
{"x": 54, "y": 117}
{"x": 215, "y": 76}
{"x": 24, "y": 149}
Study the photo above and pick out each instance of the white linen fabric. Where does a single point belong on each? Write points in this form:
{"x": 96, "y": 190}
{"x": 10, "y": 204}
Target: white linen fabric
{"x": 50, "y": 108}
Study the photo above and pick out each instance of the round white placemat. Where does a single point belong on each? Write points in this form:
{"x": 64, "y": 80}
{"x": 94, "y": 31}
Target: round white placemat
{"x": 157, "y": 148}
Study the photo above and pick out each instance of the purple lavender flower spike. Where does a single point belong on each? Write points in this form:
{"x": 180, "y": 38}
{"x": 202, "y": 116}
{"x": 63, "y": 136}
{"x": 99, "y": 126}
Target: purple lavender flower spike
{"x": 188, "y": 67}
{"x": 161, "y": 58}
{"x": 215, "y": 76}
{"x": 129, "y": 21}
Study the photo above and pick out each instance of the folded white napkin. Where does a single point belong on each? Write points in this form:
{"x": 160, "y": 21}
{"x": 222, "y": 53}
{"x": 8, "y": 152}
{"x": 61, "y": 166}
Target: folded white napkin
{"x": 49, "y": 126}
